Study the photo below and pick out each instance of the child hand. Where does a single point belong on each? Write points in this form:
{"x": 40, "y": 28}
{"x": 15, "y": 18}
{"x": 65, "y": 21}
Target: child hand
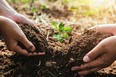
{"x": 103, "y": 55}
{"x": 13, "y": 34}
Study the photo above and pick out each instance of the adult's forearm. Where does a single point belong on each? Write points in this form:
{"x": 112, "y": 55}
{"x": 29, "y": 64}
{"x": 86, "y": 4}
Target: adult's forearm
{"x": 5, "y": 8}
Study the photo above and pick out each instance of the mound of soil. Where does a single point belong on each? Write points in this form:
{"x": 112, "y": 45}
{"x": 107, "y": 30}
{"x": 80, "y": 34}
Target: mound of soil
{"x": 38, "y": 39}
{"x": 55, "y": 63}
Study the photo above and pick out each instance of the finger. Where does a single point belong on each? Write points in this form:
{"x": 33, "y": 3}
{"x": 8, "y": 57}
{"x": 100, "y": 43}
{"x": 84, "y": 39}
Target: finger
{"x": 107, "y": 28}
{"x": 36, "y": 54}
{"x": 41, "y": 53}
{"x": 99, "y": 62}
{"x": 24, "y": 52}
{"x": 94, "y": 28}
{"x": 85, "y": 72}
{"x": 94, "y": 53}
{"x": 20, "y": 50}
{"x": 27, "y": 43}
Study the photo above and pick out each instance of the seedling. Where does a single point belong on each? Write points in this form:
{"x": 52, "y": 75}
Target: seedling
{"x": 63, "y": 31}
{"x": 43, "y": 6}
{"x": 14, "y": 1}
{"x": 34, "y": 10}
{"x": 27, "y": 1}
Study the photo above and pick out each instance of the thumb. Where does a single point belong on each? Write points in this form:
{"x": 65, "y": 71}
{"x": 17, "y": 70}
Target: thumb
{"x": 107, "y": 28}
{"x": 94, "y": 28}
{"x": 93, "y": 54}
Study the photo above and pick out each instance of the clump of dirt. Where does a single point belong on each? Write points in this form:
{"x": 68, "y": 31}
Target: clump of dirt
{"x": 83, "y": 44}
{"x": 34, "y": 35}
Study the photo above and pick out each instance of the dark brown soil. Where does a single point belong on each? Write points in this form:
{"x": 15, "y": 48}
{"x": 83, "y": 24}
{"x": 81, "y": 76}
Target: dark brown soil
{"x": 55, "y": 64}
{"x": 38, "y": 39}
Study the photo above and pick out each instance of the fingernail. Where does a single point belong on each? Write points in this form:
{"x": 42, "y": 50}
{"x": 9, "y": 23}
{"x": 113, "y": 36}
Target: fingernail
{"x": 86, "y": 59}
{"x": 32, "y": 48}
{"x": 43, "y": 53}
{"x": 73, "y": 69}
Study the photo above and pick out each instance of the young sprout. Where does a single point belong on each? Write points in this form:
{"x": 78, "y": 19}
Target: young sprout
{"x": 43, "y": 6}
{"x": 25, "y": 1}
{"x": 14, "y": 1}
{"x": 34, "y": 10}
{"x": 63, "y": 31}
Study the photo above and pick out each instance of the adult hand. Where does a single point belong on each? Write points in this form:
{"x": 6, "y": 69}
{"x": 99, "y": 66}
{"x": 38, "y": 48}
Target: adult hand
{"x": 19, "y": 18}
{"x": 13, "y": 34}
{"x": 103, "y": 55}
{"x": 7, "y": 11}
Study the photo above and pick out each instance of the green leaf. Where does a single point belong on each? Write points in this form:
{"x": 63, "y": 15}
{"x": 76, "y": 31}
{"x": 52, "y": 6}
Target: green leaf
{"x": 54, "y": 24}
{"x": 61, "y": 26}
{"x": 67, "y": 29}
{"x": 43, "y": 6}
{"x": 34, "y": 10}
{"x": 25, "y": 1}
{"x": 58, "y": 37}
{"x": 65, "y": 35}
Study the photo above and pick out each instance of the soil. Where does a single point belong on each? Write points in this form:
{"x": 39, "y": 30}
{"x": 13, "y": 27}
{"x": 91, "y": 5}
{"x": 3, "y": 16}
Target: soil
{"x": 60, "y": 57}
{"x": 38, "y": 39}
{"x": 55, "y": 64}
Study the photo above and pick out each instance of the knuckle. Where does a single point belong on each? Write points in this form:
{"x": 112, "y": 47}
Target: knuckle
{"x": 105, "y": 65}
{"x": 21, "y": 36}
{"x": 87, "y": 66}
{"x": 11, "y": 48}
{"x": 85, "y": 72}
{"x": 101, "y": 63}
{"x": 89, "y": 71}
{"x": 30, "y": 46}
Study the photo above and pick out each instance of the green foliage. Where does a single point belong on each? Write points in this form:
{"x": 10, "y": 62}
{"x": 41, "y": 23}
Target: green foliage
{"x": 63, "y": 31}
{"x": 27, "y": 1}
{"x": 52, "y": 0}
{"x": 34, "y": 10}
{"x": 14, "y": 1}
{"x": 23, "y": 1}
{"x": 82, "y": 6}
{"x": 43, "y": 6}
{"x": 58, "y": 37}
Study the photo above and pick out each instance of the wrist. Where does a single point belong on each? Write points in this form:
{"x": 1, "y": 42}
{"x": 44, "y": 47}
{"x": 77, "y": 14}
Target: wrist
{"x": 10, "y": 15}
{"x": 5, "y": 8}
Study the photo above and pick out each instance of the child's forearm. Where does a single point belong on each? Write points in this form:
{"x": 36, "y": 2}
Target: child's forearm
{"x": 5, "y": 8}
